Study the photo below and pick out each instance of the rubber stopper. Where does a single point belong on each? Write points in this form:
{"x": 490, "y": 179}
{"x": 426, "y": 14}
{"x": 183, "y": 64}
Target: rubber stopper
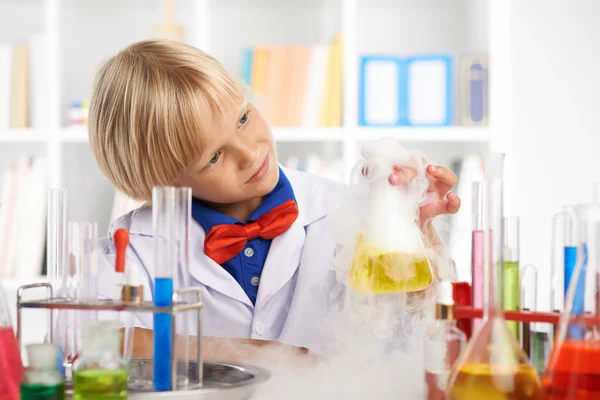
{"x": 121, "y": 239}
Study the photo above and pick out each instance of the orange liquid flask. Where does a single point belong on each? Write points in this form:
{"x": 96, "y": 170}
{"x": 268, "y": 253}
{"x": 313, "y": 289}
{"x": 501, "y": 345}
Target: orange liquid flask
{"x": 390, "y": 256}
{"x": 493, "y": 366}
{"x": 573, "y": 370}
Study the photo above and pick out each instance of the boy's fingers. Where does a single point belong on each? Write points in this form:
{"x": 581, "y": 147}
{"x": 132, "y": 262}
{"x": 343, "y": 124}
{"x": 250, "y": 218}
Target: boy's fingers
{"x": 439, "y": 207}
{"x": 445, "y": 179}
{"x": 402, "y": 175}
{"x": 453, "y": 203}
{"x": 443, "y": 174}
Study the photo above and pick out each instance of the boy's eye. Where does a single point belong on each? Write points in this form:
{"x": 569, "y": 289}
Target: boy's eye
{"x": 214, "y": 159}
{"x": 243, "y": 119}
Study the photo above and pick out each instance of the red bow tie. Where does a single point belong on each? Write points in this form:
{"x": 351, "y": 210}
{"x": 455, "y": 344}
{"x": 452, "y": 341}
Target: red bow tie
{"x": 224, "y": 242}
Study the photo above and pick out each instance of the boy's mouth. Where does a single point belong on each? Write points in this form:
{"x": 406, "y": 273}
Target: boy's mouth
{"x": 261, "y": 172}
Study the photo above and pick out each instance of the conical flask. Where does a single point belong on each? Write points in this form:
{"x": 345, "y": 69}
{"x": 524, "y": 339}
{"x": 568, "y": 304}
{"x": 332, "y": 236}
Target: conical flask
{"x": 573, "y": 370}
{"x": 493, "y": 366}
{"x": 390, "y": 256}
{"x": 11, "y": 367}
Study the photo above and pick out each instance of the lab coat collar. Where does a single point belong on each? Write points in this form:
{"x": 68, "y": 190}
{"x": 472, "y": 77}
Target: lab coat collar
{"x": 315, "y": 197}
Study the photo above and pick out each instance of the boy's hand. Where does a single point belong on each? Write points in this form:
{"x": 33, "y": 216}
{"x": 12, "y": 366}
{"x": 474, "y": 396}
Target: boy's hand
{"x": 445, "y": 202}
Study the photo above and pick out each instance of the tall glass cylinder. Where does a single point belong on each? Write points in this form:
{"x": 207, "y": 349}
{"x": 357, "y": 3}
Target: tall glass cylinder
{"x": 493, "y": 364}
{"x": 56, "y": 235}
{"x": 82, "y": 267}
{"x": 512, "y": 286}
{"x": 87, "y": 267}
{"x": 183, "y": 216}
{"x": 567, "y": 247}
{"x": 561, "y": 223}
{"x": 165, "y": 262}
{"x": 477, "y": 236}
{"x": 56, "y": 250}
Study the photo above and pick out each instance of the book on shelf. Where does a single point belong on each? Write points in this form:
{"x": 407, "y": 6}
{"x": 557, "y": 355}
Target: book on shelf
{"x": 23, "y": 83}
{"x": 23, "y": 217}
{"x": 295, "y": 85}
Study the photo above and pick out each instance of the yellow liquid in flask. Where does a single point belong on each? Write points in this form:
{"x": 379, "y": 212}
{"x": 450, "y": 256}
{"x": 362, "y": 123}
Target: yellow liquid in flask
{"x": 496, "y": 382}
{"x": 375, "y": 272}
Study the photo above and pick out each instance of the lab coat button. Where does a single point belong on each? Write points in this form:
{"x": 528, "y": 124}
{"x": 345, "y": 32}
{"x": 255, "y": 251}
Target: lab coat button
{"x": 249, "y": 252}
{"x": 259, "y": 328}
{"x": 254, "y": 281}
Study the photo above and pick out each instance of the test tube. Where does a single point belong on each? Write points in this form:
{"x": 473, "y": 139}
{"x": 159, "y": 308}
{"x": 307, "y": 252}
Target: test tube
{"x": 87, "y": 261}
{"x": 83, "y": 267}
{"x": 560, "y": 223}
{"x": 528, "y": 297}
{"x": 183, "y": 215}
{"x": 573, "y": 243}
{"x": 56, "y": 247}
{"x": 510, "y": 270}
{"x": 477, "y": 237}
{"x": 57, "y": 237}
{"x": 165, "y": 251}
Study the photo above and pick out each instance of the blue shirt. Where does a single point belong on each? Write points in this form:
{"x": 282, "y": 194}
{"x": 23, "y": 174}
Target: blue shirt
{"x": 247, "y": 266}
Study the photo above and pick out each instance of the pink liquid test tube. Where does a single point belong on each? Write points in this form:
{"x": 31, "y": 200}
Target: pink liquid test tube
{"x": 477, "y": 238}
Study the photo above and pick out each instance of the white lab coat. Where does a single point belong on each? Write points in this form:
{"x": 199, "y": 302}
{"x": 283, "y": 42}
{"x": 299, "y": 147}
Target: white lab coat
{"x": 295, "y": 283}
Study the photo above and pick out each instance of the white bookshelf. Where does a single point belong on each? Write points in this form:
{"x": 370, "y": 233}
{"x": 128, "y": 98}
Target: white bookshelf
{"x": 81, "y": 34}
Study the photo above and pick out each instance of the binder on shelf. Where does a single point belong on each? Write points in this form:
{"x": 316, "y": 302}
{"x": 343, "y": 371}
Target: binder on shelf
{"x": 429, "y": 90}
{"x": 383, "y": 89}
{"x": 406, "y": 91}
{"x": 474, "y": 90}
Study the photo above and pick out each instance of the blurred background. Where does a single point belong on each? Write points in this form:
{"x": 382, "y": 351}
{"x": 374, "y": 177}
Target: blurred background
{"x": 452, "y": 78}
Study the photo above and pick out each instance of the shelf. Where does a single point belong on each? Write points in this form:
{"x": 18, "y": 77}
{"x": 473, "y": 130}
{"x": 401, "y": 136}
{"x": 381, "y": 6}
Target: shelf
{"x": 79, "y": 134}
{"x": 428, "y": 134}
{"x": 308, "y": 134}
{"x": 25, "y": 135}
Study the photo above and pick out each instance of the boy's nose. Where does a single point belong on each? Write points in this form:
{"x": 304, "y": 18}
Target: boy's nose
{"x": 247, "y": 156}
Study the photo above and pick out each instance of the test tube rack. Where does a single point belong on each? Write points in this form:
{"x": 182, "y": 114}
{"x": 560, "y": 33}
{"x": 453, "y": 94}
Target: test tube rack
{"x": 51, "y": 303}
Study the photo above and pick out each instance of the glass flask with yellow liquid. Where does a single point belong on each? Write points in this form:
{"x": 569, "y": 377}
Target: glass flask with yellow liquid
{"x": 493, "y": 366}
{"x": 390, "y": 256}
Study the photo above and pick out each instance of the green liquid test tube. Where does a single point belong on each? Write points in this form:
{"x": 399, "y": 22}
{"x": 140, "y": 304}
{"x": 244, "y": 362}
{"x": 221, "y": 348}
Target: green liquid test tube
{"x": 512, "y": 284}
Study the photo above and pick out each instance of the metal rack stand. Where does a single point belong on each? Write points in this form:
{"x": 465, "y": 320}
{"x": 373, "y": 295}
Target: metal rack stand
{"x": 50, "y": 303}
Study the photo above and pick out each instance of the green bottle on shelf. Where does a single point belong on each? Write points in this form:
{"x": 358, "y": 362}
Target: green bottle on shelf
{"x": 42, "y": 380}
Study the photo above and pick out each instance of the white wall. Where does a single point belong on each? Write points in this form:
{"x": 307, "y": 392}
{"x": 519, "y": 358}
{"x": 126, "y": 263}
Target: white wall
{"x": 557, "y": 103}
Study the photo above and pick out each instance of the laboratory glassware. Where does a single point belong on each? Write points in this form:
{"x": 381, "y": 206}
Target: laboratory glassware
{"x": 493, "y": 366}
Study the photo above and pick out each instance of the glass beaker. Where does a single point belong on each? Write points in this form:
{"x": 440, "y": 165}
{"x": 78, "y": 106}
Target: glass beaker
{"x": 573, "y": 370}
{"x": 99, "y": 371}
{"x": 11, "y": 367}
{"x": 493, "y": 366}
{"x": 390, "y": 256}
{"x": 42, "y": 381}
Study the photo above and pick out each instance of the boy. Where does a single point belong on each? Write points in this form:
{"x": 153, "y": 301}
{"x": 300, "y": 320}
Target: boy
{"x": 166, "y": 114}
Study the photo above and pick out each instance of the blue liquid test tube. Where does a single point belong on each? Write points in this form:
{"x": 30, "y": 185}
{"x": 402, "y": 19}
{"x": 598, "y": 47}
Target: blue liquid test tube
{"x": 574, "y": 252}
{"x": 165, "y": 261}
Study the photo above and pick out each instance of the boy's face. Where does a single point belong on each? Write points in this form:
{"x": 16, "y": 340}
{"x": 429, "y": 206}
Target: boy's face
{"x": 239, "y": 160}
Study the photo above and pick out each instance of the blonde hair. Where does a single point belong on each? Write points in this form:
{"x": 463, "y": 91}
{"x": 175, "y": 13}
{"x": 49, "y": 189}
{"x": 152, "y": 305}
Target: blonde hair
{"x": 145, "y": 120}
